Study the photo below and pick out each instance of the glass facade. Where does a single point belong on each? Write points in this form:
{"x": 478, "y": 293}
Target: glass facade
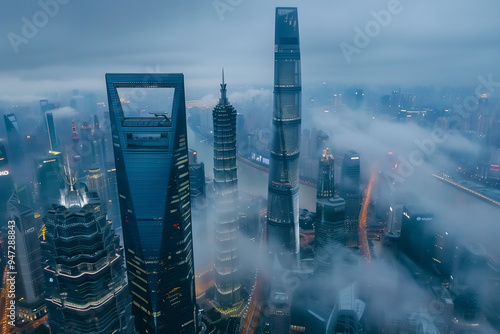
{"x": 326, "y": 175}
{"x": 330, "y": 215}
{"x": 227, "y": 282}
{"x": 6, "y": 184}
{"x": 283, "y": 201}
{"x": 84, "y": 273}
{"x": 349, "y": 190}
{"x": 15, "y": 148}
{"x": 28, "y": 254}
{"x": 54, "y": 142}
{"x": 152, "y": 172}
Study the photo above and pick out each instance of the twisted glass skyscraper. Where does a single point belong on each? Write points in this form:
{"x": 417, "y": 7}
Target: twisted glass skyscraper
{"x": 152, "y": 172}
{"x": 226, "y": 200}
{"x": 283, "y": 196}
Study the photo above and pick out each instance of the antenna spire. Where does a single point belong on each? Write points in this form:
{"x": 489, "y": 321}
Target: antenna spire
{"x": 223, "y": 91}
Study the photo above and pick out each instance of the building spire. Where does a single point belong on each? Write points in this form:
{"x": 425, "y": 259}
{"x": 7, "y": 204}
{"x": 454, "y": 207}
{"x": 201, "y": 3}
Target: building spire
{"x": 223, "y": 91}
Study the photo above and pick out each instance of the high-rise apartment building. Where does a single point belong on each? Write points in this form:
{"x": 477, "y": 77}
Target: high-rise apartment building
{"x": 227, "y": 282}
{"x": 152, "y": 172}
{"x": 283, "y": 196}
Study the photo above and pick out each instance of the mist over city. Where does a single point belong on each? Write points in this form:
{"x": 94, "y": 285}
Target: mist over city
{"x": 257, "y": 167}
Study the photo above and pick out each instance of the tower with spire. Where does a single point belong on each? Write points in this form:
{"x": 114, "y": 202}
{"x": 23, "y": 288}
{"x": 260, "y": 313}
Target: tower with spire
{"x": 227, "y": 281}
{"x": 83, "y": 265}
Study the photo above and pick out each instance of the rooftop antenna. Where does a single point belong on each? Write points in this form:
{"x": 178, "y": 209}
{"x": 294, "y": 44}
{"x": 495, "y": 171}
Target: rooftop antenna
{"x": 223, "y": 97}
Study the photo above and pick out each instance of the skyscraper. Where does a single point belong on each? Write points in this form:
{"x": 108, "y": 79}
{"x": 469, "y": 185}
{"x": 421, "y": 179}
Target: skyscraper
{"x": 6, "y": 184}
{"x": 349, "y": 190}
{"x": 330, "y": 215}
{"x": 49, "y": 178}
{"x": 15, "y": 148}
{"x": 54, "y": 142}
{"x": 97, "y": 182}
{"x": 326, "y": 182}
{"x": 197, "y": 181}
{"x": 227, "y": 282}
{"x": 283, "y": 196}
{"x": 30, "y": 296}
{"x": 152, "y": 171}
{"x": 84, "y": 273}
{"x": 418, "y": 234}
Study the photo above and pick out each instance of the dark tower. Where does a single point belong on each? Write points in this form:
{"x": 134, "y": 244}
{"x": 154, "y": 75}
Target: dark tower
{"x": 330, "y": 214}
{"x": 226, "y": 202}
{"x": 152, "y": 172}
{"x": 31, "y": 299}
{"x": 15, "y": 148}
{"x": 283, "y": 196}
{"x": 326, "y": 175}
{"x": 349, "y": 190}
{"x": 84, "y": 274}
{"x": 54, "y": 141}
{"x": 6, "y": 184}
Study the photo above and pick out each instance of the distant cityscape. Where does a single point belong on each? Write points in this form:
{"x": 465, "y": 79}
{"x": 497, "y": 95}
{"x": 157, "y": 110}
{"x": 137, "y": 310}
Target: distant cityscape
{"x": 310, "y": 210}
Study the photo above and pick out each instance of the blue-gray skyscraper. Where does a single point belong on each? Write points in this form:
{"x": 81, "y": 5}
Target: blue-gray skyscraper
{"x": 15, "y": 148}
{"x": 6, "y": 184}
{"x": 330, "y": 215}
{"x": 30, "y": 296}
{"x": 54, "y": 142}
{"x": 283, "y": 195}
{"x": 226, "y": 202}
{"x": 349, "y": 190}
{"x": 152, "y": 172}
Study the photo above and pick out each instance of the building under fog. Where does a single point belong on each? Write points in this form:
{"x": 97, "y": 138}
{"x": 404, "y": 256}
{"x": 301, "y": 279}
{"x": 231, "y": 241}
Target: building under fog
{"x": 350, "y": 192}
{"x": 152, "y": 174}
{"x": 283, "y": 196}
{"x": 49, "y": 178}
{"x": 6, "y": 184}
{"x": 197, "y": 181}
{"x": 84, "y": 273}
{"x": 30, "y": 292}
{"x": 330, "y": 215}
{"x": 15, "y": 148}
{"x": 343, "y": 316}
{"x": 227, "y": 282}
{"x": 417, "y": 234}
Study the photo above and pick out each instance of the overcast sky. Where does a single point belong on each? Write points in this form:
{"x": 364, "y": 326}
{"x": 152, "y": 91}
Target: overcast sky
{"x": 440, "y": 43}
